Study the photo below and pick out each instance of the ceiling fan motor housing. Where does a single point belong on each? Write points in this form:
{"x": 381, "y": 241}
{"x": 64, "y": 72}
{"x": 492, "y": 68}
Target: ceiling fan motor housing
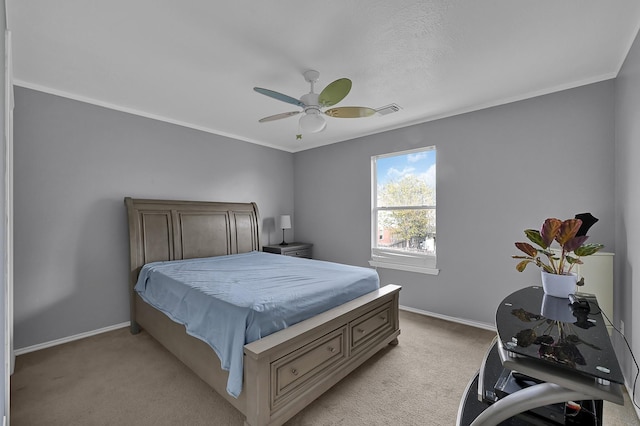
{"x": 310, "y": 100}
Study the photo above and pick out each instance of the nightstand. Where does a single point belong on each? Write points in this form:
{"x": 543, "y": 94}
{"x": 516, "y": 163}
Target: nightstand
{"x": 292, "y": 249}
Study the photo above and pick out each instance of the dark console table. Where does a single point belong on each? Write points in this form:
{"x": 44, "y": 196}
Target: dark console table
{"x": 552, "y": 363}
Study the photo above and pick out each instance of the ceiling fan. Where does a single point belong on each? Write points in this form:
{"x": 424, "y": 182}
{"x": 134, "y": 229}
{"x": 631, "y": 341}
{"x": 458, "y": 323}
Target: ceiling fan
{"x": 312, "y": 103}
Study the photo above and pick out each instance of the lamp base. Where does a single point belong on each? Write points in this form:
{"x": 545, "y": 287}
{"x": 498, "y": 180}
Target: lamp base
{"x": 283, "y": 243}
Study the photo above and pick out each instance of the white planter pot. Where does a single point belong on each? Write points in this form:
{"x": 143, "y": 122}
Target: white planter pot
{"x": 559, "y": 285}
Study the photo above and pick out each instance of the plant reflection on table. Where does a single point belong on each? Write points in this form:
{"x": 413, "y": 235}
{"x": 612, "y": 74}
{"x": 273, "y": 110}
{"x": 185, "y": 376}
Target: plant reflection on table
{"x": 558, "y": 341}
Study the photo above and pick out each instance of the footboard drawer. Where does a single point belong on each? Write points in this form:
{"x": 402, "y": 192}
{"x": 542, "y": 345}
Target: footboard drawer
{"x": 367, "y": 327}
{"x": 301, "y": 368}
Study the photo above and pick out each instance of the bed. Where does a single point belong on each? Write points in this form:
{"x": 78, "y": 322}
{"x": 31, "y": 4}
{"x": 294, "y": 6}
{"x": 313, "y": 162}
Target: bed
{"x": 282, "y": 372}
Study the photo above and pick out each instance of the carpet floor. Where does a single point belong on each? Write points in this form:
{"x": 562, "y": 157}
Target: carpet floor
{"x": 116, "y": 378}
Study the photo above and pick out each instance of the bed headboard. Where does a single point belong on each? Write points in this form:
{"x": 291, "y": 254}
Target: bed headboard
{"x": 173, "y": 230}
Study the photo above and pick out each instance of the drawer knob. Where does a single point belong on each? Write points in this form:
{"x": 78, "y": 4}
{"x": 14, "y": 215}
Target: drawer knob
{"x": 360, "y": 330}
{"x": 383, "y": 318}
{"x": 294, "y": 371}
{"x": 331, "y": 349}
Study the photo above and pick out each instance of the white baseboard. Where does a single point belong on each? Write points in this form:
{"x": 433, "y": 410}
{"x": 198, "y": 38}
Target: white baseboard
{"x": 630, "y": 393}
{"x": 70, "y": 338}
{"x": 476, "y": 324}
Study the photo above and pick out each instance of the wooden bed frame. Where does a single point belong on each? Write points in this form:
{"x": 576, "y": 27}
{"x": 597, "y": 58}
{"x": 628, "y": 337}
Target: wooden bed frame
{"x": 283, "y": 372}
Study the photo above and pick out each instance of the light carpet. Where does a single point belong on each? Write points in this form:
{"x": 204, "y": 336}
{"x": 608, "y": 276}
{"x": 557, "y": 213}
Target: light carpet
{"x": 116, "y": 378}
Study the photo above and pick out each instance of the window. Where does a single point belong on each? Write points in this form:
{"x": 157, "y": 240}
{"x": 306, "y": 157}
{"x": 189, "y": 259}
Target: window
{"x": 404, "y": 210}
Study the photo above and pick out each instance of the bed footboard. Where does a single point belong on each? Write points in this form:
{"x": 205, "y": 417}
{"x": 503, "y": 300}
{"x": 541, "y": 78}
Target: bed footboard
{"x": 287, "y": 370}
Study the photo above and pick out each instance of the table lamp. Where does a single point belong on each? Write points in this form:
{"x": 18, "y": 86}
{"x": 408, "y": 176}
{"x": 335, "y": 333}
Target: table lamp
{"x": 285, "y": 223}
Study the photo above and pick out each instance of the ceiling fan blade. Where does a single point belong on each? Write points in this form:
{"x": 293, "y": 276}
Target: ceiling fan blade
{"x": 350, "y": 112}
{"x": 279, "y": 116}
{"x": 279, "y": 96}
{"x": 335, "y": 92}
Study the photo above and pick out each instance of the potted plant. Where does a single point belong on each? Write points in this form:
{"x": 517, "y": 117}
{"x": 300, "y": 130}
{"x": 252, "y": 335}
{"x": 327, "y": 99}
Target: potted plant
{"x": 558, "y": 279}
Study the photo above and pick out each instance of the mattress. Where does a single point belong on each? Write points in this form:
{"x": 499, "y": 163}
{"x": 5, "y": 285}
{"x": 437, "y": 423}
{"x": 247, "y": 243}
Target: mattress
{"x": 229, "y": 301}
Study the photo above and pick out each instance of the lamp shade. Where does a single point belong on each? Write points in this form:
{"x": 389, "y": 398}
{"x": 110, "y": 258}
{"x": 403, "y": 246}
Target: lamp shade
{"x": 285, "y": 221}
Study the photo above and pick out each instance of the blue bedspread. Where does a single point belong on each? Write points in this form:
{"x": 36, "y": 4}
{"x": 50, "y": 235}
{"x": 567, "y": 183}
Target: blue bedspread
{"x": 228, "y": 301}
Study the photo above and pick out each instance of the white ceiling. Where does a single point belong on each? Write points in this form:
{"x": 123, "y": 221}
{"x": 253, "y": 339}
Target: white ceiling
{"x": 195, "y": 62}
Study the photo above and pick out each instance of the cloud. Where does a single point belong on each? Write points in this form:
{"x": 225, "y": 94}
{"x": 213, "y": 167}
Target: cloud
{"x": 430, "y": 176}
{"x": 413, "y": 158}
{"x": 394, "y": 173}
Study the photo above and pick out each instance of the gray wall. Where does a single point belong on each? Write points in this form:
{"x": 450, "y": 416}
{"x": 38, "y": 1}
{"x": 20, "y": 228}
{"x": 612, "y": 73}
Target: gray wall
{"x": 500, "y": 170}
{"x": 74, "y": 164}
{"x": 627, "y": 213}
{"x": 3, "y": 207}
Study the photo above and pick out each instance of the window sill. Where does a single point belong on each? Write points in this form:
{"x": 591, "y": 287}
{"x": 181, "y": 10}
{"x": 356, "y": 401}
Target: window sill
{"x": 400, "y": 267}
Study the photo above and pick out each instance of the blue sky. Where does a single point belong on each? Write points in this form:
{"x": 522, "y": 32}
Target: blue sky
{"x": 422, "y": 164}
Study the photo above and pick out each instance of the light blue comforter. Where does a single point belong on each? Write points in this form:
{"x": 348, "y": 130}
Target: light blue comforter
{"x": 228, "y": 301}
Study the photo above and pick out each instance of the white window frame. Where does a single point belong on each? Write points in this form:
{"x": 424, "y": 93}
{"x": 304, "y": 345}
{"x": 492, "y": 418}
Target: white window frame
{"x": 397, "y": 259}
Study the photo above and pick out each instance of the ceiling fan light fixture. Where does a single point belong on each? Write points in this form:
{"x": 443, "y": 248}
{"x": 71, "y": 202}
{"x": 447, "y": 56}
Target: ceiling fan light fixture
{"x": 312, "y": 121}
